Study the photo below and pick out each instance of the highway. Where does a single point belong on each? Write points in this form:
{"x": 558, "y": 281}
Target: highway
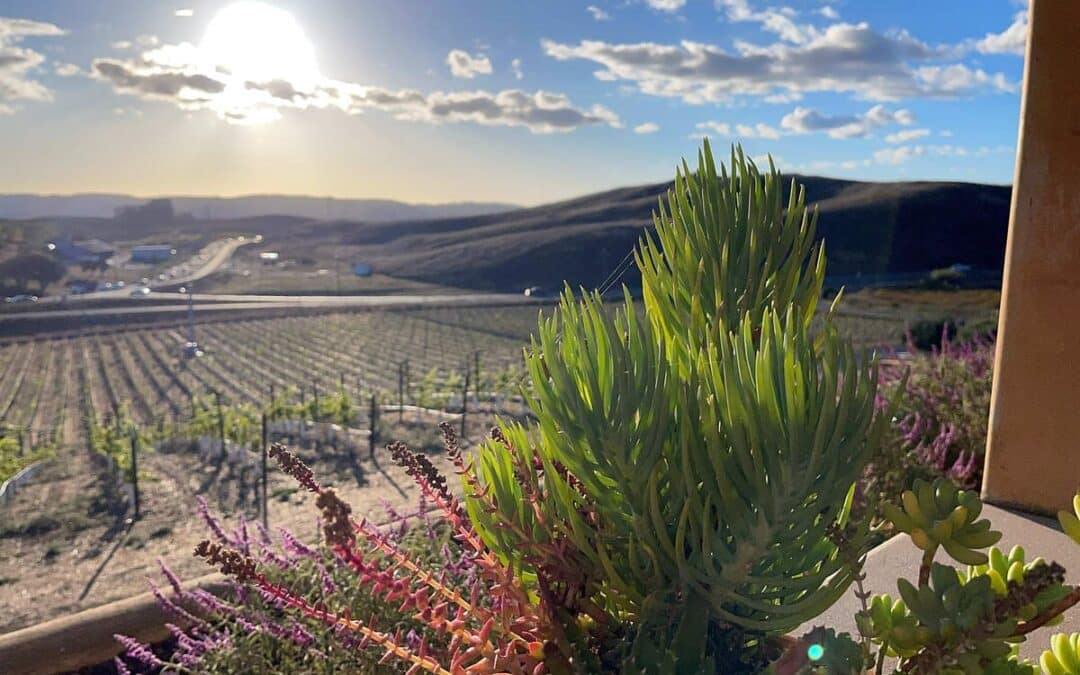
{"x": 223, "y": 251}
{"x": 253, "y": 303}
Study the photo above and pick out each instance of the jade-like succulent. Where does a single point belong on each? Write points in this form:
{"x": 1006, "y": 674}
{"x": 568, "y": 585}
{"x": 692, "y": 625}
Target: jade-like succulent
{"x": 940, "y": 515}
{"x": 970, "y": 621}
{"x": 1063, "y": 657}
{"x": 1070, "y": 522}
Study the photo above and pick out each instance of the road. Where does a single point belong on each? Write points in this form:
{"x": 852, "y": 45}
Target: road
{"x": 248, "y": 303}
{"x": 224, "y": 250}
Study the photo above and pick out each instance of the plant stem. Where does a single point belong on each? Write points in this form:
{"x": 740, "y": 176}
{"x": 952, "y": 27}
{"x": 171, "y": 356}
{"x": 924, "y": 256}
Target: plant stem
{"x": 924, "y": 567}
{"x": 881, "y": 658}
{"x": 1049, "y": 613}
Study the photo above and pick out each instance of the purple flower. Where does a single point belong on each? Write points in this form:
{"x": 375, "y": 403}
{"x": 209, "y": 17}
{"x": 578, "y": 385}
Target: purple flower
{"x": 137, "y": 651}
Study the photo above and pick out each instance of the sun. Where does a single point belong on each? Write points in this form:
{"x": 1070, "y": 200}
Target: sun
{"x": 255, "y": 41}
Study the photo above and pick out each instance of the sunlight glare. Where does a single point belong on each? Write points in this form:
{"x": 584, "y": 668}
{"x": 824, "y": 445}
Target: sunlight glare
{"x": 257, "y": 42}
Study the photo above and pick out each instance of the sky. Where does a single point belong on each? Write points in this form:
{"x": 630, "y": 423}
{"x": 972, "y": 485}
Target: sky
{"x": 497, "y": 100}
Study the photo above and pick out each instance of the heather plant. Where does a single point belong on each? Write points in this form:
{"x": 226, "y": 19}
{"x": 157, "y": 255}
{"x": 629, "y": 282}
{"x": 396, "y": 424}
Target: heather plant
{"x": 467, "y": 613}
{"x": 939, "y": 425}
{"x": 244, "y": 631}
{"x": 690, "y": 459}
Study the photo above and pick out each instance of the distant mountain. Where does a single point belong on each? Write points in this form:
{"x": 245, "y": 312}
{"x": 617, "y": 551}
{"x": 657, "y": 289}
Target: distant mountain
{"x": 26, "y": 206}
{"x": 869, "y": 228}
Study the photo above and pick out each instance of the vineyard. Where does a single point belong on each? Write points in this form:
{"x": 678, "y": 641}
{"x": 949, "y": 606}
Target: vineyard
{"x": 84, "y": 402}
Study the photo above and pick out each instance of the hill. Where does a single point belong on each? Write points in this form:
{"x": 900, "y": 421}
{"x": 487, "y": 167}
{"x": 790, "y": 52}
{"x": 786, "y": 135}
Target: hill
{"x": 30, "y": 206}
{"x": 870, "y": 229}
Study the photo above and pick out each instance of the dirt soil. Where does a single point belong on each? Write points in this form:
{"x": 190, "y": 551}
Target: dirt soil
{"x": 68, "y": 547}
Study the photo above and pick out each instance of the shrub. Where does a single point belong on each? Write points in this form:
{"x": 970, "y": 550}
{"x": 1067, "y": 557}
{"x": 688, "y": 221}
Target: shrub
{"x": 939, "y": 427}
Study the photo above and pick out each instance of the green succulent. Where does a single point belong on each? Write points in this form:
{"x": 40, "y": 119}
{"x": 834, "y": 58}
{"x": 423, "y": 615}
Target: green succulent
{"x": 889, "y": 623}
{"x": 1070, "y": 522}
{"x": 696, "y": 452}
{"x": 939, "y": 514}
{"x": 1002, "y": 569}
{"x": 1063, "y": 657}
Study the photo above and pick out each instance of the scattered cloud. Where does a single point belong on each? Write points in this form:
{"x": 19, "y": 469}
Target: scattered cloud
{"x": 18, "y": 64}
{"x": 597, "y": 13}
{"x": 806, "y": 120}
{"x": 647, "y": 128}
{"x": 758, "y": 130}
{"x": 906, "y": 135}
{"x": 67, "y": 69}
{"x": 185, "y": 12}
{"x": 718, "y": 128}
{"x": 829, "y": 12}
{"x": 464, "y": 65}
{"x": 1012, "y": 40}
{"x": 844, "y": 58}
{"x": 121, "y": 45}
{"x": 777, "y": 21}
{"x": 904, "y": 153}
{"x": 515, "y": 67}
{"x": 666, "y": 5}
{"x": 184, "y": 76}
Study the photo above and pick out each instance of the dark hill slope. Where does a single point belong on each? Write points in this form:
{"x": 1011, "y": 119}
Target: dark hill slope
{"x": 870, "y": 228}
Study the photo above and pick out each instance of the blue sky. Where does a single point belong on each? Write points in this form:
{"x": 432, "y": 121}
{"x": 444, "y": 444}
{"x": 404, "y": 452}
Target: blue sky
{"x": 496, "y": 100}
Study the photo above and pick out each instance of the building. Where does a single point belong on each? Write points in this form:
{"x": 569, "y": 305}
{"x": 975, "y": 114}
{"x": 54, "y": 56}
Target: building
{"x": 152, "y": 253}
{"x": 89, "y": 252}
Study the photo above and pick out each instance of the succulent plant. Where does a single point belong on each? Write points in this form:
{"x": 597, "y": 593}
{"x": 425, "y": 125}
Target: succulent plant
{"x": 1070, "y": 522}
{"x": 1063, "y": 657}
{"x": 696, "y": 451}
{"x": 937, "y": 515}
{"x": 969, "y": 621}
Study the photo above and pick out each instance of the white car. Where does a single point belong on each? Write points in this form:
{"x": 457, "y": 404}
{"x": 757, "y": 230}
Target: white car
{"x": 140, "y": 292}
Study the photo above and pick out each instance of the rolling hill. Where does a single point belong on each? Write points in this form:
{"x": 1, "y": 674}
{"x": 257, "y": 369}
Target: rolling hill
{"x": 870, "y": 229}
{"x": 31, "y": 206}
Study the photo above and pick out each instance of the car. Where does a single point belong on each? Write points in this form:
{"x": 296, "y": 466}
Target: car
{"x": 533, "y": 291}
{"x": 141, "y": 291}
{"x": 20, "y": 298}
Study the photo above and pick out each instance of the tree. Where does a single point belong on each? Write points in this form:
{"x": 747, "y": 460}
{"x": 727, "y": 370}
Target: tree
{"x": 31, "y": 267}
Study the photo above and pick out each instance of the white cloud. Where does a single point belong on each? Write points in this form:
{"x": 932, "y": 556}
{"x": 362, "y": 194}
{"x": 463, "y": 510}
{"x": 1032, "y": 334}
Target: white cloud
{"x": 959, "y": 80}
{"x": 598, "y": 13}
{"x": 67, "y": 69}
{"x": 906, "y": 135}
{"x": 121, "y": 45}
{"x": 515, "y": 67}
{"x": 772, "y": 20}
{"x": 646, "y": 128}
{"x": 718, "y": 128}
{"x": 464, "y": 65}
{"x": 846, "y": 58}
{"x": 829, "y": 13}
{"x": 758, "y": 130}
{"x": 184, "y": 76}
{"x": 185, "y": 12}
{"x": 904, "y": 153}
{"x": 18, "y": 64}
{"x": 806, "y": 120}
{"x": 666, "y": 5}
{"x": 783, "y": 97}
{"x": 1012, "y": 40}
